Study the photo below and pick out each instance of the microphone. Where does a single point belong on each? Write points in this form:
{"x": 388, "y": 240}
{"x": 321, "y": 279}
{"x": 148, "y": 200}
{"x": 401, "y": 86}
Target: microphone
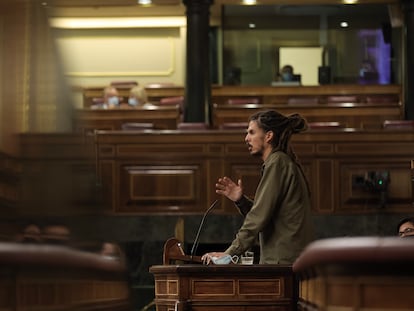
{"x": 195, "y": 244}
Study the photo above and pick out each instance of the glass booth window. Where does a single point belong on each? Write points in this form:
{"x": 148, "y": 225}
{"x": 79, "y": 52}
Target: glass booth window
{"x": 320, "y": 44}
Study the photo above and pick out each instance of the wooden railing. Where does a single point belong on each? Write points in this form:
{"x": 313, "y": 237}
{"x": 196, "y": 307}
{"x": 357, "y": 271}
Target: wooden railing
{"x": 48, "y": 277}
{"x": 356, "y": 273}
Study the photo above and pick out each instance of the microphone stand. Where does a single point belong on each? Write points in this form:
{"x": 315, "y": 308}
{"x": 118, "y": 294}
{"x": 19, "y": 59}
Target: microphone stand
{"x": 195, "y": 244}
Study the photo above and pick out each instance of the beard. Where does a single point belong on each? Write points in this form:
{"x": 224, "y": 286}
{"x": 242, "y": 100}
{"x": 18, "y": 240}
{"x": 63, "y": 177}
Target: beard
{"x": 257, "y": 153}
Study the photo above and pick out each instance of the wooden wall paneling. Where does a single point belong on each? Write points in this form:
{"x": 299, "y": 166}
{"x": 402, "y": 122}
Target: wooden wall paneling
{"x": 59, "y": 187}
{"x": 373, "y": 148}
{"x": 330, "y": 159}
{"x": 10, "y": 171}
{"x": 108, "y": 184}
{"x": 275, "y": 100}
{"x": 249, "y": 173}
{"x": 148, "y": 188}
{"x": 66, "y": 160}
{"x": 361, "y": 198}
{"x": 215, "y": 170}
{"x": 240, "y": 164}
{"x": 358, "y": 158}
{"x": 159, "y": 177}
{"x": 323, "y": 186}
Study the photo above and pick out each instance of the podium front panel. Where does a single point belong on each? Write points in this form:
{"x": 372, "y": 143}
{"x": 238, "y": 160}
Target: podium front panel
{"x": 224, "y": 287}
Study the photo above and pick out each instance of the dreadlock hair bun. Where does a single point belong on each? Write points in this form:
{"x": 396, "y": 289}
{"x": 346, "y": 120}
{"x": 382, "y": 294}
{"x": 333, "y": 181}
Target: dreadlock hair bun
{"x": 297, "y": 123}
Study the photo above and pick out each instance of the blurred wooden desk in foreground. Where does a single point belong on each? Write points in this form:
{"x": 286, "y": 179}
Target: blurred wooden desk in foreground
{"x": 49, "y": 277}
{"x": 357, "y": 273}
{"x": 224, "y": 287}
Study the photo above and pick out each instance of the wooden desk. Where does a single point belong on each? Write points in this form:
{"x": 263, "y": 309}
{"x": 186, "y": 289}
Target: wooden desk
{"x": 88, "y": 120}
{"x": 224, "y": 288}
{"x": 155, "y": 93}
{"x": 359, "y": 106}
{"x": 266, "y": 94}
{"x": 357, "y": 273}
{"x": 356, "y": 115}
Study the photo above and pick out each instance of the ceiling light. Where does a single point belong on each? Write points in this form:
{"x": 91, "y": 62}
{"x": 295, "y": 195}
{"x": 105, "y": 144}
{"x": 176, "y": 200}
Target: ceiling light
{"x": 249, "y": 2}
{"x": 344, "y": 24}
{"x": 145, "y": 2}
{"x": 252, "y": 25}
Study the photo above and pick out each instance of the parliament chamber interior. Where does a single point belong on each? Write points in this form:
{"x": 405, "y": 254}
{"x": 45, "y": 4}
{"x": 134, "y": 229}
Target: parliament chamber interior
{"x": 104, "y": 204}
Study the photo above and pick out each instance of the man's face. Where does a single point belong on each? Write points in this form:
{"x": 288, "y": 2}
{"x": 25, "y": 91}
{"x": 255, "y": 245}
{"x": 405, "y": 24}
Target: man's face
{"x": 257, "y": 140}
{"x": 406, "y": 229}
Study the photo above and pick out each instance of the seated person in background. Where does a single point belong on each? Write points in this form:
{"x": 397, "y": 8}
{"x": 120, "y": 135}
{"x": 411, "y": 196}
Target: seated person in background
{"x": 406, "y": 227}
{"x": 30, "y": 234}
{"x": 137, "y": 97}
{"x": 110, "y": 97}
{"x": 112, "y": 250}
{"x": 368, "y": 73}
{"x": 56, "y": 234}
{"x": 286, "y": 74}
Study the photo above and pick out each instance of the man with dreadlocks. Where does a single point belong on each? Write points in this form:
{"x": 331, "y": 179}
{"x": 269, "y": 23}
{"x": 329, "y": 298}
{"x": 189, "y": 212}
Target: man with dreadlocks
{"x": 280, "y": 214}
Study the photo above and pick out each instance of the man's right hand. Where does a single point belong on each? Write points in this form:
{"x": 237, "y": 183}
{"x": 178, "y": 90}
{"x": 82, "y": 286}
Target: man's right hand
{"x": 229, "y": 188}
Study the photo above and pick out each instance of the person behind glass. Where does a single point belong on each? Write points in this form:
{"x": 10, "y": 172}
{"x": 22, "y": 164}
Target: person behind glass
{"x": 137, "y": 97}
{"x": 280, "y": 214}
{"x": 286, "y": 74}
{"x": 406, "y": 227}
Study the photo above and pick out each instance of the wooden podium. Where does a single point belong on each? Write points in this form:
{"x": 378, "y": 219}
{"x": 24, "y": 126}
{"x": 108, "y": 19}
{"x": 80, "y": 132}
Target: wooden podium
{"x": 231, "y": 287}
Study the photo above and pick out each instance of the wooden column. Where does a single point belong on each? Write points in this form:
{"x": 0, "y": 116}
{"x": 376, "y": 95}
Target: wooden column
{"x": 197, "y": 86}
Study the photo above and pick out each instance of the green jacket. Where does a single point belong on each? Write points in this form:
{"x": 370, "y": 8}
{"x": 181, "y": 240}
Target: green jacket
{"x": 280, "y": 213}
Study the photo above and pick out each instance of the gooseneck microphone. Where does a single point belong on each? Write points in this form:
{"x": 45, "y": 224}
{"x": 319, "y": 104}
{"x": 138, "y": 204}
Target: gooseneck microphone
{"x": 195, "y": 244}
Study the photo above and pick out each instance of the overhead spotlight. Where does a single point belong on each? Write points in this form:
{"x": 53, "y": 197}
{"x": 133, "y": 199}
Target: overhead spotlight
{"x": 344, "y": 24}
{"x": 144, "y": 2}
{"x": 350, "y": 1}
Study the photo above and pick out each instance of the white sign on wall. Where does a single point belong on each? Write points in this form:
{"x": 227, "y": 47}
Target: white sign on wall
{"x": 305, "y": 61}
